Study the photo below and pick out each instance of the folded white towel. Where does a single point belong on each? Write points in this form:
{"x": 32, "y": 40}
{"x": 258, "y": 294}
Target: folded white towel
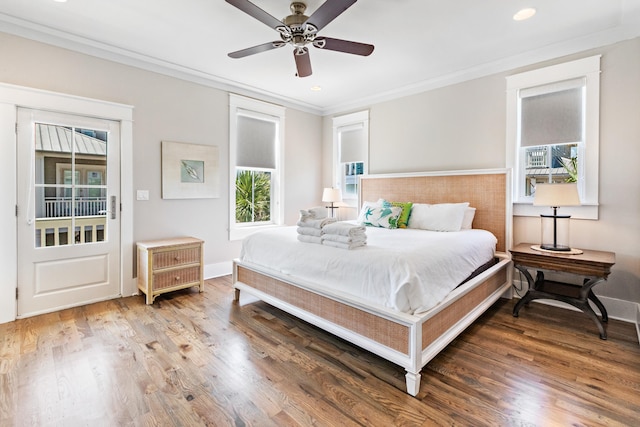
{"x": 344, "y": 228}
{"x": 319, "y": 212}
{"x": 343, "y": 245}
{"x": 344, "y": 239}
{"x": 315, "y": 223}
{"x": 310, "y": 231}
{"x": 309, "y": 239}
{"x": 305, "y": 214}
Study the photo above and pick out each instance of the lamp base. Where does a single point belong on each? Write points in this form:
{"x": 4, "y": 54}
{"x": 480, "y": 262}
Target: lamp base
{"x": 572, "y": 251}
{"x": 555, "y": 233}
{"x": 332, "y": 207}
{"x": 558, "y": 248}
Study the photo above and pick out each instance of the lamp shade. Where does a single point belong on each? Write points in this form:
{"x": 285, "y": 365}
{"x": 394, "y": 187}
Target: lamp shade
{"x": 555, "y": 195}
{"x": 332, "y": 195}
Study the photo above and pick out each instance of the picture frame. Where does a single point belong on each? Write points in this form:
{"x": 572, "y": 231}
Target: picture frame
{"x": 190, "y": 171}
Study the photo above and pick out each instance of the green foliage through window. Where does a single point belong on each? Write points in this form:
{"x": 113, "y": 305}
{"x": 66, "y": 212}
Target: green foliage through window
{"x": 571, "y": 166}
{"x": 253, "y": 196}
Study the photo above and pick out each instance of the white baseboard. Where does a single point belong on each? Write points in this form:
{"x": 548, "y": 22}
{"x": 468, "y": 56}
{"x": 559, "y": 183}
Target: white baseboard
{"x": 218, "y": 270}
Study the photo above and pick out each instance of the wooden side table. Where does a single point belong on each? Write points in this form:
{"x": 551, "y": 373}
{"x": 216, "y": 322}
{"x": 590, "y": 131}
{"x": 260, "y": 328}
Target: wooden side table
{"x": 168, "y": 265}
{"x": 592, "y": 266}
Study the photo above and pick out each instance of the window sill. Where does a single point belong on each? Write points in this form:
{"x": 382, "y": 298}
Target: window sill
{"x": 576, "y": 212}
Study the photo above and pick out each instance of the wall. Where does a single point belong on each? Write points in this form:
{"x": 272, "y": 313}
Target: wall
{"x": 442, "y": 129}
{"x": 463, "y": 127}
{"x": 457, "y": 127}
{"x": 165, "y": 108}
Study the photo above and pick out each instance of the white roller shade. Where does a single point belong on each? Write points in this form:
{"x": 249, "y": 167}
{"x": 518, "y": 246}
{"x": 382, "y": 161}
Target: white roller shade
{"x": 353, "y": 144}
{"x": 256, "y": 146}
{"x": 552, "y": 114}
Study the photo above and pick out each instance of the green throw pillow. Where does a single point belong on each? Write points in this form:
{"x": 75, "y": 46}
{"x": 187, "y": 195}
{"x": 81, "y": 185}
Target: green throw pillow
{"x": 403, "y": 219}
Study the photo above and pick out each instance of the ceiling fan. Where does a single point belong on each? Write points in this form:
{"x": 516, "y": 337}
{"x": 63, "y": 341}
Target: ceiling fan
{"x": 300, "y": 30}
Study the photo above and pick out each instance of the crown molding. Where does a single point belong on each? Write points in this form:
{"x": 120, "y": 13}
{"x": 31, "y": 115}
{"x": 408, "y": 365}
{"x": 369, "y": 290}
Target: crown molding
{"x": 628, "y": 29}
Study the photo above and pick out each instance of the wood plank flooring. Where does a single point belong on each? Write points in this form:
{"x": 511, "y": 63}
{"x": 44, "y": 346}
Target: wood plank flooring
{"x": 194, "y": 359}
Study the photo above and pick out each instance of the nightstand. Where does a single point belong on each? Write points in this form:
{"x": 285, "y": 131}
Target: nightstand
{"x": 168, "y": 265}
{"x": 591, "y": 266}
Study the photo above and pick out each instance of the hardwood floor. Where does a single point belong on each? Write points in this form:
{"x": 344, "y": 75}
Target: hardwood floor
{"x": 199, "y": 359}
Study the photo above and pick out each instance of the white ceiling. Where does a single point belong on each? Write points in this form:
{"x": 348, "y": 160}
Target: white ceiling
{"x": 419, "y": 44}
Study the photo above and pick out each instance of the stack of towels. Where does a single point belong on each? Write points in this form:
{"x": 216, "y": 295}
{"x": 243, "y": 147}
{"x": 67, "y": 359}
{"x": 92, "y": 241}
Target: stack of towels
{"x": 344, "y": 235}
{"x": 311, "y": 223}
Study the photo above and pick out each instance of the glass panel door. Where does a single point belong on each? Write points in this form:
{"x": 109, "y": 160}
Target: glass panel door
{"x": 68, "y": 216}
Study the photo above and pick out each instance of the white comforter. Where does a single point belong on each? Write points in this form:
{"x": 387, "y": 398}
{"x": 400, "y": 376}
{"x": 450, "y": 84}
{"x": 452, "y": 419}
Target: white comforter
{"x": 407, "y": 270}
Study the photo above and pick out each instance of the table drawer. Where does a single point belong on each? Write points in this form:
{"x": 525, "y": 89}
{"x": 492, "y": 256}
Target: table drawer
{"x": 176, "y": 257}
{"x": 176, "y": 277}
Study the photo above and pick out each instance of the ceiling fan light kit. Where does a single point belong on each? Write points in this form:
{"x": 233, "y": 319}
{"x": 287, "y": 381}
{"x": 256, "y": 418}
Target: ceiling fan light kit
{"x": 300, "y": 30}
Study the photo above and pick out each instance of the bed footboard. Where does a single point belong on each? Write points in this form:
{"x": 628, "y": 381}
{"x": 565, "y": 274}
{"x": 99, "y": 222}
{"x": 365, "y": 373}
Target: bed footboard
{"x": 410, "y": 341}
{"x": 387, "y": 332}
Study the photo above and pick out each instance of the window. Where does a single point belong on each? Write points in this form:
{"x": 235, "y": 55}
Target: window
{"x": 553, "y": 132}
{"x": 351, "y": 153}
{"x": 70, "y": 205}
{"x": 256, "y": 146}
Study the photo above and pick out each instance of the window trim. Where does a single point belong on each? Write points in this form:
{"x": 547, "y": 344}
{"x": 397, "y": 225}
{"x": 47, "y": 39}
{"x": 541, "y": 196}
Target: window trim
{"x": 240, "y": 105}
{"x": 589, "y": 69}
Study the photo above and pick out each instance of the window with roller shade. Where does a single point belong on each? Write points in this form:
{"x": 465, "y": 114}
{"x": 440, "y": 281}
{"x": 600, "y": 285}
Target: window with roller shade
{"x": 351, "y": 152}
{"x": 256, "y": 142}
{"x": 553, "y": 131}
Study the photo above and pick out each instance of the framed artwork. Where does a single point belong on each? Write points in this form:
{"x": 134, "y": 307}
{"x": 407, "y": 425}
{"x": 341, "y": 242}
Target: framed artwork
{"x": 190, "y": 171}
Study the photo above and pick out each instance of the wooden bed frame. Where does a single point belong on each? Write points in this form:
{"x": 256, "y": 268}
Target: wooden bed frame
{"x": 410, "y": 341}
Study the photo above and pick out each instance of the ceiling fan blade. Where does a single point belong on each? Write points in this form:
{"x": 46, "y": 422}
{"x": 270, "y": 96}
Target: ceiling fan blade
{"x": 303, "y": 61}
{"x": 345, "y": 46}
{"x": 251, "y": 9}
{"x": 256, "y": 49}
{"x": 329, "y": 11}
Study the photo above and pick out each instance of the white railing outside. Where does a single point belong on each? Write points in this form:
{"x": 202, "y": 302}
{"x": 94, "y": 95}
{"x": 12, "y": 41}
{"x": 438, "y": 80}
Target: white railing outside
{"x": 58, "y": 226}
{"x": 537, "y": 159}
{"x": 84, "y": 206}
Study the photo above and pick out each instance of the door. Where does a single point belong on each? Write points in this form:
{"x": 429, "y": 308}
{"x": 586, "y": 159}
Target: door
{"x": 68, "y": 211}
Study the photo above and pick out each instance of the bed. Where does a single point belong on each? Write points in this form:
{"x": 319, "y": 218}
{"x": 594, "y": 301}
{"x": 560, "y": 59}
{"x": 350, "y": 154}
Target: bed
{"x": 411, "y": 337}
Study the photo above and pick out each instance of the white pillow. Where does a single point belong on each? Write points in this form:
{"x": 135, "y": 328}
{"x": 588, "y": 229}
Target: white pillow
{"x": 439, "y": 217}
{"x": 467, "y": 220}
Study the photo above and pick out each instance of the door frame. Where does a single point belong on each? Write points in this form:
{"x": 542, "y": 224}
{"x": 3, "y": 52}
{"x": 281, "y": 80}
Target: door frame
{"x": 12, "y": 97}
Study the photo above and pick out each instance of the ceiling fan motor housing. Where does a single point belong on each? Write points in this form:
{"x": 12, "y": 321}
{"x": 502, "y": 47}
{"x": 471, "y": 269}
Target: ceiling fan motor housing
{"x": 295, "y": 30}
{"x": 298, "y": 8}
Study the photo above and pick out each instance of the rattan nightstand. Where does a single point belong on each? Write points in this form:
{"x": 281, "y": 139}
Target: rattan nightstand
{"x": 168, "y": 265}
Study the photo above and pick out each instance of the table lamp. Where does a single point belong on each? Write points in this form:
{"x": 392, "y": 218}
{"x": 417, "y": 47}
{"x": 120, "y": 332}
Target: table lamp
{"x": 556, "y": 238}
{"x": 332, "y": 195}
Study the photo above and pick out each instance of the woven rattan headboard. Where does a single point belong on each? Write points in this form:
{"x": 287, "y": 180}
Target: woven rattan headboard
{"x": 487, "y": 191}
